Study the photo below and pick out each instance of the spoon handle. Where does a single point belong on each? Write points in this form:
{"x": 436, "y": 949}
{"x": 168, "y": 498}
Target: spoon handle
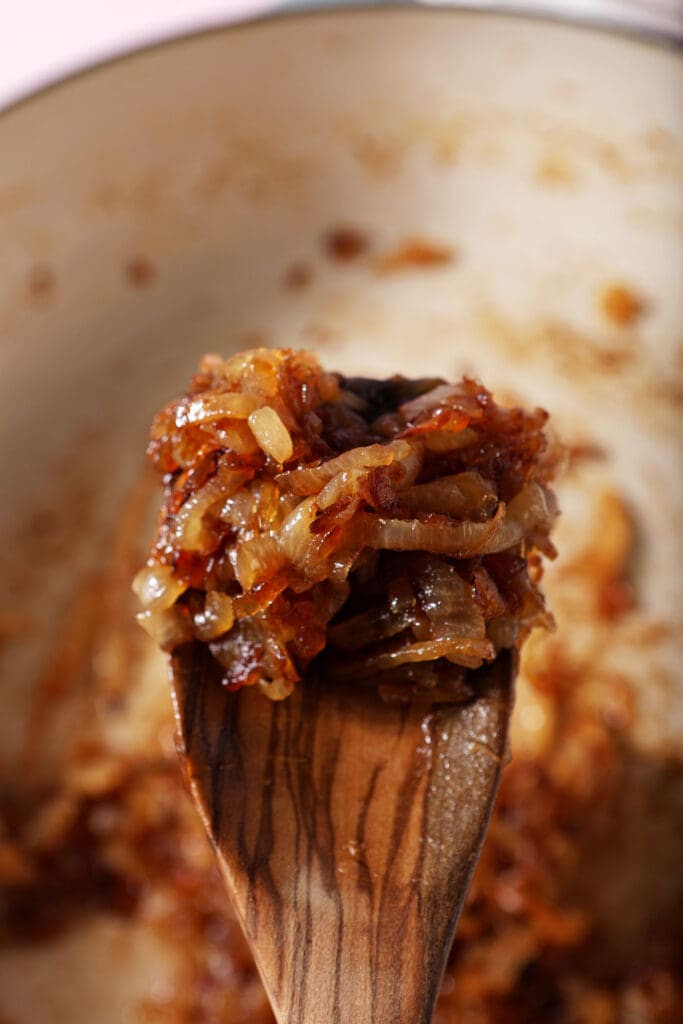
{"x": 347, "y": 831}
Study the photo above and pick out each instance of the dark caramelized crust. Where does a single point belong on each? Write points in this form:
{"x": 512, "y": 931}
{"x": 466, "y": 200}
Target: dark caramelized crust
{"x": 392, "y": 527}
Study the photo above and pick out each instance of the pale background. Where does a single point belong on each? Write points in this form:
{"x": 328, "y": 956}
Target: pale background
{"x": 42, "y": 40}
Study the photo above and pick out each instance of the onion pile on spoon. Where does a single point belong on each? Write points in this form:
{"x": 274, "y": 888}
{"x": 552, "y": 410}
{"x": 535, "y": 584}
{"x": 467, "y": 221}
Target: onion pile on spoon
{"x": 393, "y": 528}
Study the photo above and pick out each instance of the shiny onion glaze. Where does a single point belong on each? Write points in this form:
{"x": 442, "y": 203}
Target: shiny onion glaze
{"x": 392, "y": 528}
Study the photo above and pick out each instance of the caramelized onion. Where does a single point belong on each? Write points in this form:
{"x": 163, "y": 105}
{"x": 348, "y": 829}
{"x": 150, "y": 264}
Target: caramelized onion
{"x": 385, "y": 539}
{"x": 527, "y": 511}
{"x": 464, "y": 496}
{"x": 440, "y": 535}
{"x": 257, "y": 559}
{"x": 465, "y": 651}
{"x": 448, "y": 601}
{"x": 362, "y": 630}
{"x": 157, "y": 588}
{"x": 448, "y": 440}
{"x": 340, "y": 486}
{"x": 216, "y": 617}
{"x": 453, "y": 397}
{"x": 210, "y": 407}
{"x": 167, "y": 627}
{"x": 295, "y": 537}
{"x": 189, "y": 529}
{"x": 271, "y": 434}
{"x": 311, "y": 480}
{"x": 236, "y": 436}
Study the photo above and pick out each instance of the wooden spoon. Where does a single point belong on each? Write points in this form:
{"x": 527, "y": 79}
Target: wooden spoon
{"x": 347, "y": 830}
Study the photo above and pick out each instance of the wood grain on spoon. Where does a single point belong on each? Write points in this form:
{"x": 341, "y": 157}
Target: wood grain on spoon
{"x": 347, "y": 830}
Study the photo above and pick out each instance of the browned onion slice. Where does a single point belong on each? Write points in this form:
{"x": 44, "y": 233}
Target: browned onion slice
{"x": 311, "y": 480}
{"x": 465, "y": 651}
{"x": 440, "y": 535}
{"x": 189, "y": 529}
{"x": 464, "y": 496}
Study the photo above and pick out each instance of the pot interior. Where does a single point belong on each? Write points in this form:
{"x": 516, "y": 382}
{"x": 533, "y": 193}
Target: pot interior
{"x": 512, "y": 191}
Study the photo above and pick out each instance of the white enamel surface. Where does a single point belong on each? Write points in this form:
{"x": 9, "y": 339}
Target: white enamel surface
{"x": 549, "y": 157}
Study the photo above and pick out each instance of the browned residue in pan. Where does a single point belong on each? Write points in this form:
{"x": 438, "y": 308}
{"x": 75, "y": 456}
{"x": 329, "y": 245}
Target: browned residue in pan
{"x": 140, "y": 271}
{"x": 415, "y": 254}
{"x": 556, "y": 170}
{"x": 41, "y": 283}
{"x": 297, "y": 277}
{"x": 621, "y": 304}
{"x": 345, "y": 243}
